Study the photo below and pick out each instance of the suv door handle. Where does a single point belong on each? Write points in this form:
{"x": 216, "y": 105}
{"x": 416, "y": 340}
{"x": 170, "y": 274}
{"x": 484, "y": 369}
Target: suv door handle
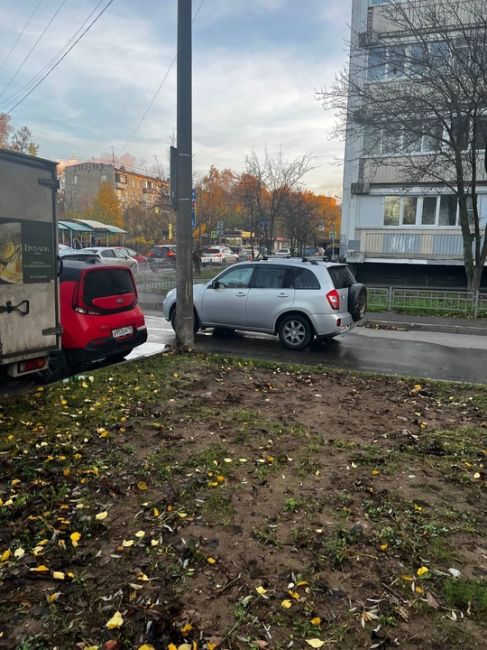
{"x": 283, "y": 295}
{"x": 241, "y": 294}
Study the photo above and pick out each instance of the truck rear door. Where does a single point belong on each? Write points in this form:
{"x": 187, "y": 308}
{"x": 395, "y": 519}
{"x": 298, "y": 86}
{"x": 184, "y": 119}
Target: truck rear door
{"x": 29, "y": 318}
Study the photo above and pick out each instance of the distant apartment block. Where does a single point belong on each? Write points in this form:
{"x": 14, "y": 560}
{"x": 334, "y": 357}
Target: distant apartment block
{"x": 82, "y": 183}
{"x": 388, "y": 218}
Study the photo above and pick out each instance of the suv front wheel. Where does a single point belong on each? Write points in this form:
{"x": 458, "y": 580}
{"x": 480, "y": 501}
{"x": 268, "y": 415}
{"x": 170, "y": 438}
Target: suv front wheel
{"x": 295, "y": 332}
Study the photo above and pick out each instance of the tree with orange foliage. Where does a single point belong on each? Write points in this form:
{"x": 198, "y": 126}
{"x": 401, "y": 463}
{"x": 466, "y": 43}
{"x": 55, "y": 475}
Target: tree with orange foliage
{"x": 214, "y": 199}
{"x": 106, "y": 207}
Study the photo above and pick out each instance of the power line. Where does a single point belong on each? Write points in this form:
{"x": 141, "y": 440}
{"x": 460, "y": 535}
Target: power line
{"x": 53, "y": 67}
{"x": 151, "y": 103}
{"x": 18, "y": 93}
{"x": 20, "y": 35}
{"x": 9, "y": 83}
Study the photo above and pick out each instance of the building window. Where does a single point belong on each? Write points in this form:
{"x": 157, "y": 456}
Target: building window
{"x": 409, "y": 206}
{"x": 75, "y": 180}
{"x": 428, "y": 213}
{"x": 448, "y": 211}
{"x": 392, "y": 210}
{"x": 377, "y": 64}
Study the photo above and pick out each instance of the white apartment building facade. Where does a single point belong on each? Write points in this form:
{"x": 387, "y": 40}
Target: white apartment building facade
{"x": 388, "y": 218}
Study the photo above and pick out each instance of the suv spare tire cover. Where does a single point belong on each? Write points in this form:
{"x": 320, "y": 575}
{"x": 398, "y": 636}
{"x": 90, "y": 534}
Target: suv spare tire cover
{"x": 357, "y": 301}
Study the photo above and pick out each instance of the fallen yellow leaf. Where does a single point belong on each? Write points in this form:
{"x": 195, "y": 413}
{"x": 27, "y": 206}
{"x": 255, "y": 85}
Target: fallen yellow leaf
{"x": 142, "y": 577}
{"x": 53, "y": 597}
{"x": 261, "y": 591}
{"x": 115, "y": 622}
{"x": 40, "y": 569}
{"x": 211, "y": 560}
{"x": 383, "y": 547}
{"x": 316, "y": 620}
{"x": 286, "y": 604}
{"x": 186, "y": 628}
{"x": 101, "y": 515}
{"x": 315, "y": 643}
{"x": 422, "y": 570}
{"x": 127, "y": 543}
{"x": 19, "y": 553}
{"x": 142, "y": 485}
{"x": 140, "y": 534}
{"x": 58, "y": 575}
{"x": 146, "y": 646}
{"x": 75, "y": 537}
{"x": 5, "y": 555}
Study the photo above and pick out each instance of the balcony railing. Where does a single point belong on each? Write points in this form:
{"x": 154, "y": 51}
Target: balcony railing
{"x": 415, "y": 243}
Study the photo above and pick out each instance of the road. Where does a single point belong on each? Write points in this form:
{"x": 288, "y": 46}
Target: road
{"x": 454, "y": 357}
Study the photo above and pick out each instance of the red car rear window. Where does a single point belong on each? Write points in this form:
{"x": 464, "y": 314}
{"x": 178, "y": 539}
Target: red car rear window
{"x": 101, "y": 283}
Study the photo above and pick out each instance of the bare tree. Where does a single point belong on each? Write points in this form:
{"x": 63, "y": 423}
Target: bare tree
{"x": 423, "y": 106}
{"x": 5, "y": 130}
{"x": 274, "y": 179}
{"x": 22, "y": 141}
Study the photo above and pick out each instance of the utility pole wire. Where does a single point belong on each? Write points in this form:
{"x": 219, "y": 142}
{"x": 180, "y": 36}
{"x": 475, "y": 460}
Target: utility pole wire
{"x": 156, "y": 94}
{"x": 13, "y": 98}
{"x": 62, "y": 58}
{"x": 20, "y": 35}
{"x": 9, "y": 83}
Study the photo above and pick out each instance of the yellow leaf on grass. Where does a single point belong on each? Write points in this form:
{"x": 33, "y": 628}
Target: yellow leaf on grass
{"x": 101, "y": 515}
{"x": 212, "y": 646}
{"x": 261, "y": 591}
{"x": 383, "y": 547}
{"x": 142, "y": 577}
{"x": 140, "y": 534}
{"x": 186, "y": 628}
{"x": 422, "y": 570}
{"x": 286, "y": 604}
{"x": 171, "y": 646}
{"x": 211, "y": 560}
{"x": 315, "y": 643}
{"x": 127, "y": 543}
{"x": 58, "y": 575}
{"x": 19, "y": 553}
{"x": 142, "y": 485}
{"x": 156, "y": 512}
{"x": 184, "y": 646}
{"x": 375, "y": 472}
{"x": 316, "y": 620}
{"x": 146, "y": 646}
{"x": 115, "y": 622}
{"x": 53, "y": 597}
{"x": 75, "y": 537}
{"x": 40, "y": 569}
{"x": 102, "y": 432}
{"x": 407, "y": 578}
{"x": 419, "y": 590}
{"x": 5, "y": 555}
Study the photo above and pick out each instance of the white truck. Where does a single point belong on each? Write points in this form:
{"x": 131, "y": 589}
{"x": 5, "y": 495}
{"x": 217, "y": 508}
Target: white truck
{"x": 30, "y": 327}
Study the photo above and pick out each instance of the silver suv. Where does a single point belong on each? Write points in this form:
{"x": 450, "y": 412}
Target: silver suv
{"x": 298, "y": 300}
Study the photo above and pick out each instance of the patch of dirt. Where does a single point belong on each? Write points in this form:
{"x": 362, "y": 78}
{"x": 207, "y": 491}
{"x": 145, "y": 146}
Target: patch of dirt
{"x": 248, "y": 505}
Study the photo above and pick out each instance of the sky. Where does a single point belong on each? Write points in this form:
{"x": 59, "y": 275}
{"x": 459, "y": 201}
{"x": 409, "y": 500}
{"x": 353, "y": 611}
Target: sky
{"x": 257, "y": 67}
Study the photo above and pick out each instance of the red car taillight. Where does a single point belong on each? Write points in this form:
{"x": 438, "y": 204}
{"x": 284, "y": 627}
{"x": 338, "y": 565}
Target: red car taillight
{"x": 333, "y": 298}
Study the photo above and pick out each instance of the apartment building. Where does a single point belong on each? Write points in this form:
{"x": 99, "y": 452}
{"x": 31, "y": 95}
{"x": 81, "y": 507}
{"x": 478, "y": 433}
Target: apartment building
{"x": 82, "y": 183}
{"x": 400, "y": 198}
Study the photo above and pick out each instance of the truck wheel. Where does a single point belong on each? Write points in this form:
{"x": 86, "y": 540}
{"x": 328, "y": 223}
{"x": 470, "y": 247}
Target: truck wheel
{"x": 295, "y": 332}
{"x": 57, "y": 368}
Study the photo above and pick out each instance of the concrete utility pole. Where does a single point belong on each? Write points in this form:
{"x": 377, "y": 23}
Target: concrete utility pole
{"x": 184, "y": 233}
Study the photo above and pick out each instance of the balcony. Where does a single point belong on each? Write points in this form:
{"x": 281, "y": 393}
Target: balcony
{"x": 411, "y": 244}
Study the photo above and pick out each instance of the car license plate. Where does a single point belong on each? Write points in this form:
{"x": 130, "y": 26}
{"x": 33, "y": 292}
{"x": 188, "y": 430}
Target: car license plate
{"x": 122, "y": 331}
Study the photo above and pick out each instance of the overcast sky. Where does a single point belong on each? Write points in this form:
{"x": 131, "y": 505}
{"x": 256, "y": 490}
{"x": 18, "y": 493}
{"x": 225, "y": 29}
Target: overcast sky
{"x": 256, "y": 67}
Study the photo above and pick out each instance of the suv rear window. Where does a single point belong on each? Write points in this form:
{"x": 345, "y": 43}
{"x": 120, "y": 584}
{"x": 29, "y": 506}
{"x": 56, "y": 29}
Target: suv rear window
{"x": 111, "y": 282}
{"x": 304, "y": 279}
{"x": 342, "y": 276}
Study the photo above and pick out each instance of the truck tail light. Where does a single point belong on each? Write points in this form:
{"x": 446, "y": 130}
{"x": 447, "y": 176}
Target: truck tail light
{"x": 333, "y": 298}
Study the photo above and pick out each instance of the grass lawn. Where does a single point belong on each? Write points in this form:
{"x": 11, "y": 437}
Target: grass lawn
{"x": 196, "y": 503}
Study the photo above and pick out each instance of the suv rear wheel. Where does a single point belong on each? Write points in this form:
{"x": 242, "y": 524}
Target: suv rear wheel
{"x": 357, "y": 301}
{"x": 295, "y": 332}
{"x": 196, "y": 322}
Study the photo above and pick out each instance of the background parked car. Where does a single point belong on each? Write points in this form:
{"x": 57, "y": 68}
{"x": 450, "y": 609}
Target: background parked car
{"x": 70, "y": 254}
{"x": 284, "y": 252}
{"x": 218, "y": 255}
{"x": 162, "y": 256}
{"x": 129, "y": 252}
{"x": 100, "y": 316}
{"x": 112, "y": 255}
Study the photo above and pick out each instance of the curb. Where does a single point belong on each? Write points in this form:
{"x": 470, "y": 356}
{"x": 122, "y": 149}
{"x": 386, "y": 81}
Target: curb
{"x": 425, "y": 327}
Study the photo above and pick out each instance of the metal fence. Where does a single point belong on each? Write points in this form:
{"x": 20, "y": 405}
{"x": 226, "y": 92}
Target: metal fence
{"x": 471, "y": 304}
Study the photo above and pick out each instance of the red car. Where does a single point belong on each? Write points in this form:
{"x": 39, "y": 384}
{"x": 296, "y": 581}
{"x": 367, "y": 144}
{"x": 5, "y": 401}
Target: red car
{"x": 100, "y": 315}
{"x": 141, "y": 259}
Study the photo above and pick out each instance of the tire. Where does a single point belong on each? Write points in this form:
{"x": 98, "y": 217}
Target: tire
{"x": 58, "y": 367}
{"x": 295, "y": 332}
{"x": 196, "y": 323}
{"x": 357, "y": 301}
